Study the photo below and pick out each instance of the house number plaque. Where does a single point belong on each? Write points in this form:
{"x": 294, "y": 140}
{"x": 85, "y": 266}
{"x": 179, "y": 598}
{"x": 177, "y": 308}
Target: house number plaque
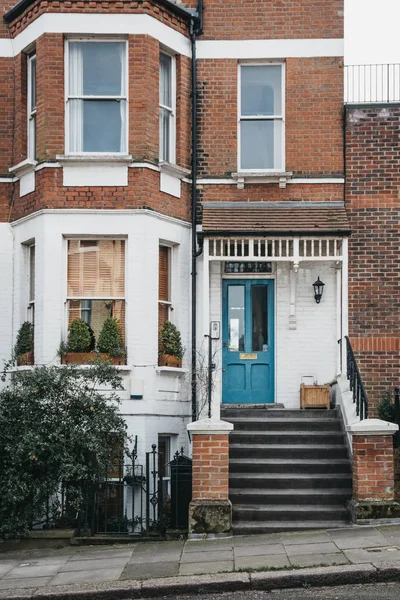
{"x": 248, "y": 356}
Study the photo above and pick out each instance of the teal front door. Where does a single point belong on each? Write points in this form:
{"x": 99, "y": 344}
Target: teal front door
{"x": 248, "y": 341}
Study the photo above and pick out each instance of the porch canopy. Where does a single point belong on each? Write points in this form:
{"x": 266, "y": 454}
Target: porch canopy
{"x": 278, "y": 231}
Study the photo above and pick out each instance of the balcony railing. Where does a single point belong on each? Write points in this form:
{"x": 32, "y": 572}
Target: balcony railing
{"x": 372, "y": 83}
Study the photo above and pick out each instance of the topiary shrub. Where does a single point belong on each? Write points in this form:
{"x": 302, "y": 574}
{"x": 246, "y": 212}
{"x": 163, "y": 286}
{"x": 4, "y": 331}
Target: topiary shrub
{"x": 79, "y": 338}
{"x": 171, "y": 342}
{"x": 110, "y": 340}
{"x": 386, "y": 408}
{"x": 24, "y": 341}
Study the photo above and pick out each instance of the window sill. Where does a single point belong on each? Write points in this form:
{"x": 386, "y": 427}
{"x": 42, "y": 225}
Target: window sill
{"x": 97, "y": 159}
{"x": 26, "y": 166}
{"x": 173, "y": 370}
{"x": 126, "y": 368}
{"x": 174, "y": 170}
{"x": 280, "y": 177}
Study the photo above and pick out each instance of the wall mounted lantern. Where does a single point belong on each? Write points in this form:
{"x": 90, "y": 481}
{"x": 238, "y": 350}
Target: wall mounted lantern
{"x": 318, "y": 290}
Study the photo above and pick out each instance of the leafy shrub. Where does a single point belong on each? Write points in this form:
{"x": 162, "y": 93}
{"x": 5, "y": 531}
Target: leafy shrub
{"x": 385, "y": 407}
{"x": 171, "y": 342}
{"x": 24, "y": 341}
{"x": 79, "y": 338}
{"x": 55, "y": 427}
{"x": 110, "y": 340}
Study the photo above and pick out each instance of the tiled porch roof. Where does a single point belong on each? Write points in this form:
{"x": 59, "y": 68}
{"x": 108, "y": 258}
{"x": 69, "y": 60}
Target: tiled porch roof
{"x": 310, "y": 218}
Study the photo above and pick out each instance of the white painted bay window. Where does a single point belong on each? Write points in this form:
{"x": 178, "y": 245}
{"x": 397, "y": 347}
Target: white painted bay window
{"x": 31, "y": 97}
{"x": 167, "y": 108}
{"x": 96, "y": 282}
{"x": 261, "y": 117}
{"x": 97, "y": 97}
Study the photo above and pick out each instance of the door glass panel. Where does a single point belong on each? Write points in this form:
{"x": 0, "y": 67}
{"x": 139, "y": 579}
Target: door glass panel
{"x": 259, "y": 307}
{"x": 236, "y": 318}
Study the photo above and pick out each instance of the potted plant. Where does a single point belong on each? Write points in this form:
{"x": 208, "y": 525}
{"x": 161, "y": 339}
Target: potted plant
{"x": 110, "y": 344}
{"x": 79, "y": 344}
{"x": 171, "y": 350}
{"x": 23, "y": 349}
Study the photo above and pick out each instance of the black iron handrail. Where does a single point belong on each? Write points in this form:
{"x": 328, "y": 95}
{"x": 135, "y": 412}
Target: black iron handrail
{"x": 360, "y": 398}
{"x": 379, "y": 83}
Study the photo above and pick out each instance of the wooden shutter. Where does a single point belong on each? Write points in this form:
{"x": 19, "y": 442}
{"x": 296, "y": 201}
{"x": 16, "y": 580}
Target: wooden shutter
{"x": 163, "y": 288}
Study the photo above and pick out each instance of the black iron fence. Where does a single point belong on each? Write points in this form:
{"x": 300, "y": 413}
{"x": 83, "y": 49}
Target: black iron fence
{"x": 372, "y": 83}
{"x": 356, "y": 383}
{"x": 126, "y": 498}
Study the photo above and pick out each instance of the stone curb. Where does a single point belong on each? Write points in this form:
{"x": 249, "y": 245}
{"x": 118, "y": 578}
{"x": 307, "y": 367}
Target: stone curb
{"x": 222, "y": 582}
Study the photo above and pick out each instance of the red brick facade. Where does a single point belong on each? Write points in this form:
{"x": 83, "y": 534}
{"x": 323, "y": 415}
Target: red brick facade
{"x": 373, "y": 470}
{"x": 373, "y": 207}
{"x": 210, "y": 455}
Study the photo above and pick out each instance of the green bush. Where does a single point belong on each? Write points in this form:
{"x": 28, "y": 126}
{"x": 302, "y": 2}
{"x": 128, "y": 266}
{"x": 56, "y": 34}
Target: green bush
{"x": 171, "y": 342}
{"x": 54, "y": 427}
{"x": 386, "y": 408}
{"x": 79, "y": 338}
{"x": 24, "y": 341}
{"x": 110, "y": 340}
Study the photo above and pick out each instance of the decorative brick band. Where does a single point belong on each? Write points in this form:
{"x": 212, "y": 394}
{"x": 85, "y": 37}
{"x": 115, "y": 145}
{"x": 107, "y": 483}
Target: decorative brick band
{"x": 375, "y": 344}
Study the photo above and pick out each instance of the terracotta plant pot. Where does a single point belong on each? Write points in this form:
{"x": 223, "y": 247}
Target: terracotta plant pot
{"x": 87, "y": 358}
{"x": 25, "y": 359}
{"x": 168, "y": 360}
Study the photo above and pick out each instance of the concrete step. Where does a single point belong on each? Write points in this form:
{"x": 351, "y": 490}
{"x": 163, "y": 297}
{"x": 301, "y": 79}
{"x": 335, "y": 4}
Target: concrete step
{"x": 288, "y": 513}
{"x": 290, "y": 481}
{"x": 263, "y": 497}
{"x": 251, "y": 527}
{"x": 295, "y": 451}
{"x": 277, "y": 413}
{"x": 272, "y": 437}
{"x": 254, "y": 424}
{"x": 289, "y": 466}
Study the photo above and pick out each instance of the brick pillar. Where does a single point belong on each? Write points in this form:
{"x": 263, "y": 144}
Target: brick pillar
{"x": 210, "y": 510}
{"x": 373, "y": 470}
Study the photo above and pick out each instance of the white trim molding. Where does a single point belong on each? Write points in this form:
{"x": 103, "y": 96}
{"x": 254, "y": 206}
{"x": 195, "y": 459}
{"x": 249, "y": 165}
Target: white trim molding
{"x": 96, "y": 24}
{"x": 271, "y": 49}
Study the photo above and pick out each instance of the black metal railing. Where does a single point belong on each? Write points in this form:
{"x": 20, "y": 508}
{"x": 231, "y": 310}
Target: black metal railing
{"x": 372, "y": 83}
{"x": 360, "y": 398}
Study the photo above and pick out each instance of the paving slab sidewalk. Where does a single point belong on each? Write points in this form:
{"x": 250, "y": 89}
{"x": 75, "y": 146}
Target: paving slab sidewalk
{"x": 361, "y": 549}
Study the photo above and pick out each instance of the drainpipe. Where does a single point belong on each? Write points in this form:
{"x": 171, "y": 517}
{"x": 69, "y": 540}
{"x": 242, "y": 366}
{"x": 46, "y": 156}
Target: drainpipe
{"x": 196, "y": 25}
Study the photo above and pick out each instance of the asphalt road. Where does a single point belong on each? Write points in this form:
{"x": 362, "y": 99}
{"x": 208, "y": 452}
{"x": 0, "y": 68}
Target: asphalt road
{"x": 381, "y": 591}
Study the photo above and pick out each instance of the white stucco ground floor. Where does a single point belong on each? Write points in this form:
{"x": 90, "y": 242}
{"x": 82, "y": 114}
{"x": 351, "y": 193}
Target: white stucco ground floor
{"x": 255, "y": 296}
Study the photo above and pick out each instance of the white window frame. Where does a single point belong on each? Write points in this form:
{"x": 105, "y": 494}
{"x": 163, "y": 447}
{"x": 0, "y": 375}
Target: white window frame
{"x": 31, "y": 276}
{"x": 170, "y": 109}
{"x": 96, "y": 238}
{"x": 168, "y": 303}
{"x": 31, "y": 110}
{"x": 280, "y": 117}
{"x": 68, "y": 97}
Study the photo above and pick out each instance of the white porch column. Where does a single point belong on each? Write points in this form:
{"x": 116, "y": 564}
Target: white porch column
{"x": 345, "y": 298}
{"x": 206, "y": 289}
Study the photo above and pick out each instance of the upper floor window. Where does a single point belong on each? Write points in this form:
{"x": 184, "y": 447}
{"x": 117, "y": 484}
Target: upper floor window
{"x": 167, "y": 108}
{"x": 31, "y": 106}
{"x": 97, "y": 97}
{"x": 261, "y": 117}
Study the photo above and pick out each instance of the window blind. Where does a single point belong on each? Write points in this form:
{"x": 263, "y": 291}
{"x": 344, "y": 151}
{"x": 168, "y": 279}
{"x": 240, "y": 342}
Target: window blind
{"x": 96, "y": 268}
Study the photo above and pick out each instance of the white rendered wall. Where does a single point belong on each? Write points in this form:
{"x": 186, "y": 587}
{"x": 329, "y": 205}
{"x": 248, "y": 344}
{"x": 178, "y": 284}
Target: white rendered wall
{"x": 165, "y": 407}
{"x": 6, "y": 304}
{"x": 308, "y": 350}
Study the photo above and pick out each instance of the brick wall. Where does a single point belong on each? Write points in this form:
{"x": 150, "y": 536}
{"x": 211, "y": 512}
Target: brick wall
{"x": 210, "y": 455}
{"x": 6, "y": 114}
{"x": 373, "y": 206}
{"x": 373, "y": 474}
{"x": 257, "y": 19}
{"x": 143, "y": 191}
{"x": 313, "y": 128}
